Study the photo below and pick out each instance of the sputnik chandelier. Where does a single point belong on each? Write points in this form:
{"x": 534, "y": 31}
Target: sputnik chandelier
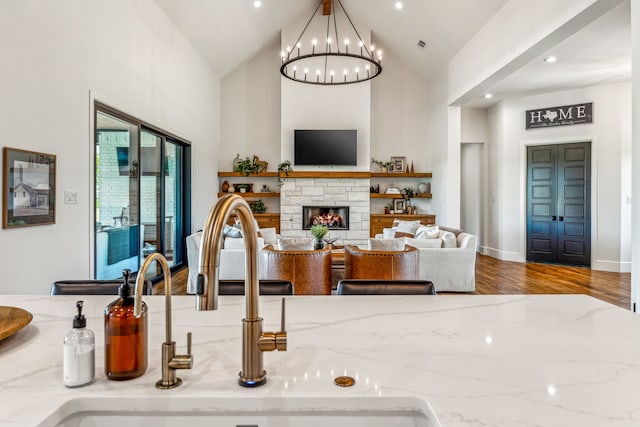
{"x": 329, "y": 60}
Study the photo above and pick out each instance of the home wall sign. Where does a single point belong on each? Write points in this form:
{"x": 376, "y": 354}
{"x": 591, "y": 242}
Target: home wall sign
{"x": 559, "y": 116}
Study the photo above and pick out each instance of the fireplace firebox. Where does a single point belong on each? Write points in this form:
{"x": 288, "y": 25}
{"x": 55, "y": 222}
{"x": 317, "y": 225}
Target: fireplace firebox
{"x": 334, "y": 217}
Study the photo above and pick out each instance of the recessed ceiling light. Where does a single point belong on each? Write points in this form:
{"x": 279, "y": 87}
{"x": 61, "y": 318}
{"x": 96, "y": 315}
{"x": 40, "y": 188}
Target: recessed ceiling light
{"x": 399, "y": 5}
{"x": 488, "y": 95}
{"x": 257, "y": 4}
{"x": 550, "y": 59}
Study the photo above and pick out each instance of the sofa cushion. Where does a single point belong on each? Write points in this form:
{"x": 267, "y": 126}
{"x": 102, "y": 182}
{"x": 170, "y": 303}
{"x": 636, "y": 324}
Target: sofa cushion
{"x": 388, "y": 233}
{"x": 233, "y": 243}
{"x": 269, "y": 235}
{"x": 405, "y": 228}
{"x": 386, "y": 244}
{"x": 296, "y": 243}
{"x": 423, "y": 243}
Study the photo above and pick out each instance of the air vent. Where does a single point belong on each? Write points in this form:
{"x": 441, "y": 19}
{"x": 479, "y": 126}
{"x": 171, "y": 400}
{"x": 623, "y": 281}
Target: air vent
{"x": 422, "y": 44}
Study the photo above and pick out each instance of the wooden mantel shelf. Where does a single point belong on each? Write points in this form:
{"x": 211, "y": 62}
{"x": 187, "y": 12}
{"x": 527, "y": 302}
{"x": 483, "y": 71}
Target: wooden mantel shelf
{"x": 323, "y": 174}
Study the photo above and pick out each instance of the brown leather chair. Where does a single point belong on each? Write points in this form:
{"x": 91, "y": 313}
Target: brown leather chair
{"x": 381, "y": 265}
{"x": 266, "y": 287}
{"x": 310, "y": 271}
{"x": 385, "y": 287}
{"x": 93, "y": 287}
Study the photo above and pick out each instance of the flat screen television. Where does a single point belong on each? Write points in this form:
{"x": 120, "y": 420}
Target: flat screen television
{"x": 325, "y": 147}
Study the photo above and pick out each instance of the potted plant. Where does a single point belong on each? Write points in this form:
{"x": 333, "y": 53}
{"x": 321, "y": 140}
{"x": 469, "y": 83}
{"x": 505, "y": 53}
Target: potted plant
{"x": 284, "y": 167}
{"x": 384, "y": 166}
{"x": 242, "y": 188}
{"x": 257, "y": 206}
{"x": 247, "y": 166}
{"x": 319, "y": 231}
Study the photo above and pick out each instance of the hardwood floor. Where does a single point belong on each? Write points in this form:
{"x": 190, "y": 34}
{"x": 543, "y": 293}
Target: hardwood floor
{"x": 494, "y": 276}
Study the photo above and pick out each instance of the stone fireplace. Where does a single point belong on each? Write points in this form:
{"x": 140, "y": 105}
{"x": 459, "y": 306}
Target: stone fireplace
{"x": 346, "y": 197}
{"x": 334, "y": 217}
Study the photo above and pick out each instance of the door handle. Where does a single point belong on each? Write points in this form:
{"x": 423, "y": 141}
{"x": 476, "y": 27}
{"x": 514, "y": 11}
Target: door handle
{"x": 553, "y": 218}
{"x": 561, "y": 218}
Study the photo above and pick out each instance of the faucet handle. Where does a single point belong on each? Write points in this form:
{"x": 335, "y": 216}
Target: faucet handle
{"x": 270, "y": 341}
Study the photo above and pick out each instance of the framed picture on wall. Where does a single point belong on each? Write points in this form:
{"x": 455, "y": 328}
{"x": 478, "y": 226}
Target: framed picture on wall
{"x": 29, "y": 190}
{"x": 399, "y": 164}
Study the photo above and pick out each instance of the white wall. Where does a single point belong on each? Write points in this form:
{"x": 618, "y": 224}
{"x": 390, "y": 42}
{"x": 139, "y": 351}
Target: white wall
{"x": 635, "y": 212}
{"x": 57, "y": 57}
{"x": 610, "y": 136}
{"x": 250, "y": 113}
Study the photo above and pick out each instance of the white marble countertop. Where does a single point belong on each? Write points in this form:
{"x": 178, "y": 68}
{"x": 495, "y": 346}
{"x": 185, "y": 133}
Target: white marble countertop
{"x": 535, "y": 360}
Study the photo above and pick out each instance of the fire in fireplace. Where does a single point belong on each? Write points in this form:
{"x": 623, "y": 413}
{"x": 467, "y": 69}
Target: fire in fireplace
{"x": 334, "y": 217}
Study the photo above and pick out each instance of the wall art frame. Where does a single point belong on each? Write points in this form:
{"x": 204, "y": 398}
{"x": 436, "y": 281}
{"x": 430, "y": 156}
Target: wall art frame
{"x": 29, "y": 188}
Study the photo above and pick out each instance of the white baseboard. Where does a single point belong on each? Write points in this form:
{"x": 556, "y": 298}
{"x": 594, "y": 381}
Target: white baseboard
{"x": 599, "y": 265}
{"x": 612, "y": 266}
{"x": 501, "y": 255}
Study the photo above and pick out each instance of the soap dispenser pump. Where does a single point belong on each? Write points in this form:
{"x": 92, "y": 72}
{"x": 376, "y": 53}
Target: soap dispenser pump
{"x": 79, "y": 352}
{"x": 125, "y": 336}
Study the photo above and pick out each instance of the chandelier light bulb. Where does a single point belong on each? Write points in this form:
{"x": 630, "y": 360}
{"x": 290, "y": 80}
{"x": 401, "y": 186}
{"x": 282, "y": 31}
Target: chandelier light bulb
{"x": 288, "y": 49}
{"x": 298, "y": 45}
{"x": 332, "y": 73}
{"x": 373, "y": 47}
{"x": 257, "y": 4}
{"x": 317, "y": 72}
{"x": 346, "y": 71}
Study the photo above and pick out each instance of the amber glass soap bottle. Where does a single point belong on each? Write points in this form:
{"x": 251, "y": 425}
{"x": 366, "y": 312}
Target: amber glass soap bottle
{"x": 125, "y": 336}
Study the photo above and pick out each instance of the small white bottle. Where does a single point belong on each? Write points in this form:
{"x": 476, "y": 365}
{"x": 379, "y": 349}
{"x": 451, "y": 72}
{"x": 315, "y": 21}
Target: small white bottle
{"x": 79, "y": 352}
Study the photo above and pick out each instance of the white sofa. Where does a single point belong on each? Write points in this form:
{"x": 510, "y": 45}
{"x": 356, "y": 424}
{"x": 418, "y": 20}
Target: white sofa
{"x": 232, "y": 259}
{"x": 450, "y": 269}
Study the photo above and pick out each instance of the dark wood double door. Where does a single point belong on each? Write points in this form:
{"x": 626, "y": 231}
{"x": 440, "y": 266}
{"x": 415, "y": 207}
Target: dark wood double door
{"x": 559, "y": 203}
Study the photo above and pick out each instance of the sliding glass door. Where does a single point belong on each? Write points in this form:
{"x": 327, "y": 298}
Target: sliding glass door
{"x": 140, "y": 194}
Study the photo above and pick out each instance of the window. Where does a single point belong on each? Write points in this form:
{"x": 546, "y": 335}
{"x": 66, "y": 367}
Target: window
{"x": 141, "y": 185}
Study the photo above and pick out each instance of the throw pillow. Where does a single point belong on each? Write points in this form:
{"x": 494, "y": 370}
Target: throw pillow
{"x": 269, "y": 235}
{"x": 423, "y": 243}
{"x": 230, "y": 231}
{"x": 427, "y": 232}
{"x": 455, "y": 231}
{"x": 386, "y": 244}
{"x": 388, "y": 233}
{"x": 405, "y": 228}
{"x": 296, "y": 243}
{"x": 448, "y": 240}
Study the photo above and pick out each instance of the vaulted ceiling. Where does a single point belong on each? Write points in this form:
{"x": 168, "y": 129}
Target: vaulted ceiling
{"x": 227, "y": 32}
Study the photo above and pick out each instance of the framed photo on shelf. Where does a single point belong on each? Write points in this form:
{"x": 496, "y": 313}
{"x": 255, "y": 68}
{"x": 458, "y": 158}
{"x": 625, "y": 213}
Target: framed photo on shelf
{"x": 398, "y": 205}
{"x": 29, "y": 190}
{"x": 399, "y": 164}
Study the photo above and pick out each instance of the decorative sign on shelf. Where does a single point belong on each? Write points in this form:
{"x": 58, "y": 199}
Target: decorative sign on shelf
{"x": 559, "y": 116}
